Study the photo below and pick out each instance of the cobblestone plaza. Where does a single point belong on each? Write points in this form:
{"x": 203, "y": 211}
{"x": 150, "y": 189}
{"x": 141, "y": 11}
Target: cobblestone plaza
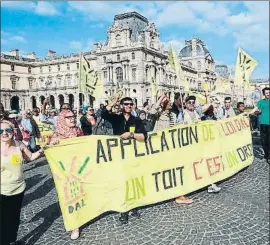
{"x": 238, "y": 215}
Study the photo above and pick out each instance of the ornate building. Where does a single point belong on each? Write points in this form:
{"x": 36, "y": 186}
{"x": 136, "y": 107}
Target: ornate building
{"x": 197, "y": 64}
{"x": 131, "y": 56}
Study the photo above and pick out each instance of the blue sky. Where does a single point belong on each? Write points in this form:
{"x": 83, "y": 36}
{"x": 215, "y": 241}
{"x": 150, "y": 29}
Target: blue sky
{"x": 69, "y": 27}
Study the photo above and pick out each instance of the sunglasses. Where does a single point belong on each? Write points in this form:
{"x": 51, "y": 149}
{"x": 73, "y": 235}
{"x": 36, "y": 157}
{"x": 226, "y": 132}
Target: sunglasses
{"x": 128, "y": 104}
{"x": 70, "y": 117}
{"x": 7, "y": 130}
{"x": 191, "y": 102}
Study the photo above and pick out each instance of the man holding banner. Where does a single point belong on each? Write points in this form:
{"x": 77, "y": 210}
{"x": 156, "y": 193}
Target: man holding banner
{"x": 129, "y": 128}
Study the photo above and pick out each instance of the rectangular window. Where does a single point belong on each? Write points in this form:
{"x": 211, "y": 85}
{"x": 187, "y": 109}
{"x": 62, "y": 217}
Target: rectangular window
{"x": 105, "y": 74}
{"x": 13, "y": 84}
{"x": 78, "y": 66}
{"x": 29, "y": 69}
{"x": 40, "y": 69}
{"x": 68, "y": 67}
{"x": 50, "y": 69}
{"x": 58, "y": 67}
{"x": 12, "y": 67}
{"x": 133, "y": 74}
{"x": 30, "y": 84}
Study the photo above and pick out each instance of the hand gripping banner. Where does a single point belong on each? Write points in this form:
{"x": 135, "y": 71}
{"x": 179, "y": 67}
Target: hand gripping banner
{"x": 95, "y": 174}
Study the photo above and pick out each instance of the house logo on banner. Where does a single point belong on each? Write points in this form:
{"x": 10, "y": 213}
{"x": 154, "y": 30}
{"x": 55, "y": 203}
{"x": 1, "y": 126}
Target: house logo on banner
{"x": 73, "y": 184}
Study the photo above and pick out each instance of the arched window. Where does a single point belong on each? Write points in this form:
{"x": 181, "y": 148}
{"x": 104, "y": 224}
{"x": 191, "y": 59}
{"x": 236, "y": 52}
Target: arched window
{"x": 119, "y": 74}
{"x": 199, "y": 65}
{"x": 78, "y": 65}
{"x": 118, "y": 40}
{"x": 40, "y": 69}
{"x": 58, "y": 67}
{"x": 104, "y": 59}
{"x": 133, "y": 55}
{"x": 29, "y": 69}
{"x": 118, "y": 57}
{"x": 12, "y": 67}
{"x": 68, "y": 66}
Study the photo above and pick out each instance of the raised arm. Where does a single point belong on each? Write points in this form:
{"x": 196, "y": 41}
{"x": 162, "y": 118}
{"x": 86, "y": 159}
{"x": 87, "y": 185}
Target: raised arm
{"x": 29, "y": 156}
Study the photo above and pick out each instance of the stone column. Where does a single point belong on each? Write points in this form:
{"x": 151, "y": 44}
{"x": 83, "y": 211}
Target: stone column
{"x": 128, "y": 71}
{"x": 124, "y": 73}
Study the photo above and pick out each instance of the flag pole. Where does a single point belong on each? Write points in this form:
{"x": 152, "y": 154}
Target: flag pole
{"x": 79, "y": 88}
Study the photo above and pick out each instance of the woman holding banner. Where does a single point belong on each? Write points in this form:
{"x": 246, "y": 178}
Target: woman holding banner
{"x": 66, "y": 128}
{"x": 13, "y": 185}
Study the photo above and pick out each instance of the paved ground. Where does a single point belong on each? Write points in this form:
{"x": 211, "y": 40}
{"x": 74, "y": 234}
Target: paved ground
{"x": 238, "y": 215}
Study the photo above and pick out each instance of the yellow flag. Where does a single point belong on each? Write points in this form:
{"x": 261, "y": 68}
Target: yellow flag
{"x": 88, "y": 76}
{"x": 199, "y": 97}
{"x": 205, "y": 86}
{"x": 245, "y": 65}
{"x": 98, "y": 89}
{"x": 222, "y": 85}
{"x": 174, "y": 63}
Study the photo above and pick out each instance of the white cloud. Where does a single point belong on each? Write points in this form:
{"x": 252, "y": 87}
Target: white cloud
{"x": 83, "y": 45}
{"x": 251, "y": 28}
{"x": 98, "y": 10}
{"x": 18, "y": 39}
{"x": 18, "y": 5}
{"x": 46, "y": 8}
{"x": 177, "y": 42}
{"x": 40, "y": 8}
{"x": 77, "y": 45}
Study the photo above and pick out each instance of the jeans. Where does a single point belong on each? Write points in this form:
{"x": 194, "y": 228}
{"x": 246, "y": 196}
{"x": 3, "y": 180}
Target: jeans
{"x": 10, "y": 217}
{"x": 265, "y": 137}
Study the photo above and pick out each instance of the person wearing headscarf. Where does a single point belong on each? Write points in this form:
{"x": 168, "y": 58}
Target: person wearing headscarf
{"x": 66, "y": 128}
{"x": 88, "y": 121}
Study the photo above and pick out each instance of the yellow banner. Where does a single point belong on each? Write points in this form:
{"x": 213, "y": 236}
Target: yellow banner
{"x": 95, "y": 174}
{"x": 45, "y": 131}
{"x": 245, "y": 65}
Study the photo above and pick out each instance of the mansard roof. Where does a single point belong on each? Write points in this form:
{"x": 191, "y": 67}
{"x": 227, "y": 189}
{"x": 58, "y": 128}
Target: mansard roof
{"x": 136, "y": 23}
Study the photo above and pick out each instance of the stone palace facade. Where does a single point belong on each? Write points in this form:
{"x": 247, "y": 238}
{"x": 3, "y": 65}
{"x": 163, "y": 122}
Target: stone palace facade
{"x": 131, "y": 56}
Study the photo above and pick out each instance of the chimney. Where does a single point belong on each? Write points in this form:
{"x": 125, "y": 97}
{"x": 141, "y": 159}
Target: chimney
{"x": 31, "y": 55}
{"x": 51, "y": 54}
{"x": 14, "y": 52}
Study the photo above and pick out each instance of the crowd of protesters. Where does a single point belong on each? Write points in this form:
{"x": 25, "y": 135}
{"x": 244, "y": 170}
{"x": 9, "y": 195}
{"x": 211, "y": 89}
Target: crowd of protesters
{"x": 19, "y": 134}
